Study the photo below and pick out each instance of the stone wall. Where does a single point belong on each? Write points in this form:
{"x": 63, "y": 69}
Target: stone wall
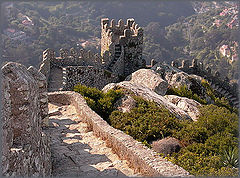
{"x": 89, "y": 76}
{"x": 43, "y": 97}
{"x": 139, "y": 156}
{"x": 221, "y": 85}
{"x": 75, "y": 57}
{"x": 44, "y": 68}
{"x": 25, "y": 148}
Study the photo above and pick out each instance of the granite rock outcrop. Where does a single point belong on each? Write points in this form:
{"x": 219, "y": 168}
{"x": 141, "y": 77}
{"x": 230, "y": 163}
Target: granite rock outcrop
{"x": 150, "y": 79}
{"x": 149, "y": 95}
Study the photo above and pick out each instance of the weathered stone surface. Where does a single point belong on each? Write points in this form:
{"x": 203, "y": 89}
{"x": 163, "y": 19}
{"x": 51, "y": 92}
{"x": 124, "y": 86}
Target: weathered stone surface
{"x": 150, "y": 79}
{"x": 172, "y": 75}
{"x": 150, "y": 95}
{"x": 140, "y": 157}
{"x": 89, "y": 76}
{"x": 25, "y": 147}
{"x": 43, "y": 98}
{"x": 180, "y": 79}
{"x": 125, "y": 104}
{"x": 177, "y": 78}
{"x": 76, "y": 151}
{"x": 190, "y": 106}
{"x": 166, "y": 146}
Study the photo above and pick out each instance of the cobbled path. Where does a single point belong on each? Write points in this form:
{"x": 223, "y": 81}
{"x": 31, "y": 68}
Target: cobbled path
{"x": 76, "y": 151}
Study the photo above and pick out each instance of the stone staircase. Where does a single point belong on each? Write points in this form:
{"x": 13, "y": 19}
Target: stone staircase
{"x": 117, "y": 54}
{"x": 55, "y": 82}
{"x": 225, "y": 93}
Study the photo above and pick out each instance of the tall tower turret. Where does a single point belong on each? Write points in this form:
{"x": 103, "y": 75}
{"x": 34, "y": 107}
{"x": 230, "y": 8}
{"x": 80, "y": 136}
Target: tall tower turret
{"x": 121, "y": 46}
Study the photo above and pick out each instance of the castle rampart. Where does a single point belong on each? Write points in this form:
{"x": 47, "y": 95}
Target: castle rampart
{"x": 125, "y": 40}
{"x": 140, "y": 158}
{"x": 221, "y": 85}
{"x": 89, "y": 76}
{"x": 25, "y": 147}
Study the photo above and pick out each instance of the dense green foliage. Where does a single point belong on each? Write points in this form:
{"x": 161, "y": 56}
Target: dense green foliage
{"x": 210, "y": 144}
{"x": 206, "y": 142}
{"x": 194, "y": 37}
{"x": 101, "y": 103}
{"x": 66, "y": 24}
{"x": 185, "y": 92}
{"x": 146, "y": 122}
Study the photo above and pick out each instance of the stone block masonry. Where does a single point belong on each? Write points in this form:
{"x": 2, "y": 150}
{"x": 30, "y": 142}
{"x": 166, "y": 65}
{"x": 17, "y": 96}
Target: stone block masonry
{"x": 125, "y": 39}
{"x": 89, "y": 76}
{"x": 141, "y": 158}
{"x": 25, "y": 147}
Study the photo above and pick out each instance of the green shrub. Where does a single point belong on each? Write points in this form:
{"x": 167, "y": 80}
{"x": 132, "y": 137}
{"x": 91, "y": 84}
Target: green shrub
{"x": 230, "y": 157}
{"x": 101, "y": 103}
{"x": 185, "y": 92}
{"x": 146, "y": 122}
{"x": 207, "y": 142}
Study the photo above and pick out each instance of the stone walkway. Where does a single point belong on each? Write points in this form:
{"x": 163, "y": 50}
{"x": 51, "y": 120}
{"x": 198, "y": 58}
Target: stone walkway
{"x": 76, "y": 151}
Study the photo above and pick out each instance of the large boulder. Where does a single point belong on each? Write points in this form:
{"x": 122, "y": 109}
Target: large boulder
{"x": 180, "y": 79}
{"x": 190, "y": 106}
{"x": 177, "y": 78}
{"x": 150, "y": 79}
{"x": 149, "y": 95}
{"x": 166, "y": 146}
{"x": 172, "y": 75}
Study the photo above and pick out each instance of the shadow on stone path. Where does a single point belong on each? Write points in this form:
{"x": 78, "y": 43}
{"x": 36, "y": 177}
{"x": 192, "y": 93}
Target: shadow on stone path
{"x": 76, "y": 151}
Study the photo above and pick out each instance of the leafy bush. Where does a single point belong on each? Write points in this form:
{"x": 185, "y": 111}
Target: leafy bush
{"x": 146, "y": 122}
{"x": 206, "y": 141}
{"x": 230, "y": 157}
{"x": 101, "y": 103}
{"x": 185, "y": 92}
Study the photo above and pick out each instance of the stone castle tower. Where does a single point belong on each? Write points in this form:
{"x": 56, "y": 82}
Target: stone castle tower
{"x": 121, "y": 55}
{"x": 121, "y": 46}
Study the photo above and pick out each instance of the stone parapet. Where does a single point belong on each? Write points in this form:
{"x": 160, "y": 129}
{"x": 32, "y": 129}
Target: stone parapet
{"x": 25, "y": 148}
{"x": 86, "y": 75}
{"x": 140, "y": 157}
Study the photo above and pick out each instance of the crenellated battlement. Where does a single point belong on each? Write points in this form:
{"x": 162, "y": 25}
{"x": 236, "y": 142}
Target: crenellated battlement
{"x": 121, "y": 54}
{"x": 120, "y": 30}
{"x": 79, "y": 57}
{"x": 221, "y": 83}
{"x": 122, "y": 43}
{"x": 71, "y": 57}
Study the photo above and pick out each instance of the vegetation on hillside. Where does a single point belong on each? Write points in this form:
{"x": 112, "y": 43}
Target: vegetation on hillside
{"x": 210, "y": 144}
{"x": 171, "y": 30}
{"x": 67, "y": 24}
{"x": 210, "y": 93}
